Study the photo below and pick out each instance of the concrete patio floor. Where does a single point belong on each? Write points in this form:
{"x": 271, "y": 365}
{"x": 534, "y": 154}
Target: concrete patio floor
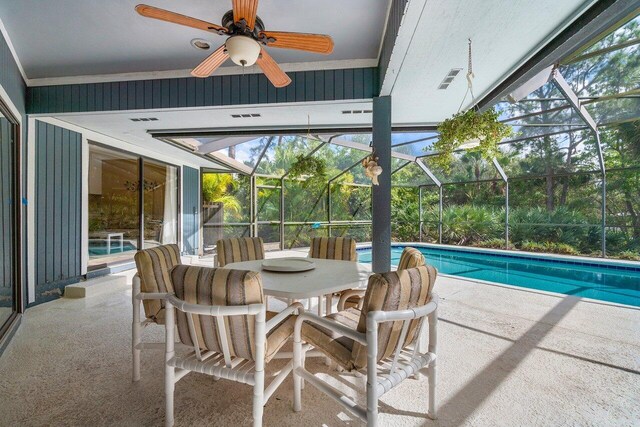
{"x": 507, "y": 357}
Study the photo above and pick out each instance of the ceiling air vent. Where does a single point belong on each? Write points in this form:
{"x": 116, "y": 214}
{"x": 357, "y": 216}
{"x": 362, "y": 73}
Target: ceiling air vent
{"x": 357, "y": 111}
{"x": 144, "y": 119}
{"x": 449, "y": 78}
{"x": 238, "y": 116}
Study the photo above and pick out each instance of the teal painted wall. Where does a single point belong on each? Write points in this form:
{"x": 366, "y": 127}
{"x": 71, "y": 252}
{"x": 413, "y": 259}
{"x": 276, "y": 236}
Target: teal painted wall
{"x": 190, "y": 210}
{"x": 58, "y": 210}
{"x": 324, "y": 85}
{"x": 10, "y": 77}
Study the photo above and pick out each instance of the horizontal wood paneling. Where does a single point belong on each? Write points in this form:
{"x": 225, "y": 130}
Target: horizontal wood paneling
{"x": 325, "y": 85}
{"x": 58, "y": 209}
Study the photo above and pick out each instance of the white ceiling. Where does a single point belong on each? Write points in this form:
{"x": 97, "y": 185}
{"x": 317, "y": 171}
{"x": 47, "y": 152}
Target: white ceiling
{"x": 89, "y": 37}
{"x": 504, "y": 34}
{"x": 63, "y": 38}
{"x": 300, "y": 115}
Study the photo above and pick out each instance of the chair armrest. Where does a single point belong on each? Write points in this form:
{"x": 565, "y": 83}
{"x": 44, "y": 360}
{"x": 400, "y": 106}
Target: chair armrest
{"x": 275, "y": 321}
{"x": 152, "y": 295}
{"x": 412, "y": 313}
{"x": 344, "y": 296}
{"x": 330, "y": 324}
{"x": 215, "y": 310}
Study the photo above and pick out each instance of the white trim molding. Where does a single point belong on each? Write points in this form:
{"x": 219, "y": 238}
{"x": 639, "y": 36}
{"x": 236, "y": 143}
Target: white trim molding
{"x": 31, "y": 212}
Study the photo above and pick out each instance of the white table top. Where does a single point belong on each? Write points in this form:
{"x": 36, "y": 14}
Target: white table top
{"x": 328, "y": 277}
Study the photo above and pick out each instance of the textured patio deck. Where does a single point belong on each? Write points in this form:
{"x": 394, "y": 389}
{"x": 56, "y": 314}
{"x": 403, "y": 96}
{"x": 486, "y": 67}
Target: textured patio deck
{"x": 506, "y": 357}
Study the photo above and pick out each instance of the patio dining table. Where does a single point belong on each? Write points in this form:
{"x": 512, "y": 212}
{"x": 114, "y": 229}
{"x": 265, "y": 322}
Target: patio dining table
{"x": 328, "y": 277}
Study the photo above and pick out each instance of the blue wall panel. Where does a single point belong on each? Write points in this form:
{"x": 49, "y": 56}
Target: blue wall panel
{"x": 190, "y": 210}
{"x": 10, "y": 77}
{"x": 361, "y": 83}
{"x": 58, "y": 209}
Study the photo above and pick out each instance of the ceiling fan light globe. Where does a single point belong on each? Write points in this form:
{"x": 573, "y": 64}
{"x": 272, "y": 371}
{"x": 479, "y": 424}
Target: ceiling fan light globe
{"x": 243, "y": 50}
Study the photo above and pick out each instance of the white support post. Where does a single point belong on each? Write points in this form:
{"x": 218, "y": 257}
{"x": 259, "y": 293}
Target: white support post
{"x": 297, "y": 365}
{"x": 258, "y": 386}
{"x": 372, "y": 371}
{"x": 135, "y": 327}
{"x": 432, "y": 372}
{"x": 169, "y": 371}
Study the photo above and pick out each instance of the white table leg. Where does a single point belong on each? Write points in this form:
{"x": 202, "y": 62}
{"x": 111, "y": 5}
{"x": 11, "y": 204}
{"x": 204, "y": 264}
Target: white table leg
{"x": 319, "y": 305}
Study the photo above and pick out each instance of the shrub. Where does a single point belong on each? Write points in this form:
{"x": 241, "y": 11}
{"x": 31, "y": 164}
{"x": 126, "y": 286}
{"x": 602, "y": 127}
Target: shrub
{"x": 549, "y": 247}
{"x": 628, "y": 255}
{"x": 494, "y": 243}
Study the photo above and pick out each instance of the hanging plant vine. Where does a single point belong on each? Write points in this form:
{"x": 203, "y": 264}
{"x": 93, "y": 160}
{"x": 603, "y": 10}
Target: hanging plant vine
{"x": 312, "y": 168}
{"x": 475, "y": 131}
{"x": 482, "y": 130}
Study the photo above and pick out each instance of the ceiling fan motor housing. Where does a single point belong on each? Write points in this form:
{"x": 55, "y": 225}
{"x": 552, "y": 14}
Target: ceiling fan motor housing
{"x": 241, "y": 26}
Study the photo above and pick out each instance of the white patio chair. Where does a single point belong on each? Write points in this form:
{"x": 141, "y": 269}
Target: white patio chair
{"x": 336, "y": 248}
{"x": 238, "y": 249}
{"x": 222, "y": 317}
{"x": 410, "y": 258}
{"x": 381, "y": 341}
{"x": 150, "y": 286}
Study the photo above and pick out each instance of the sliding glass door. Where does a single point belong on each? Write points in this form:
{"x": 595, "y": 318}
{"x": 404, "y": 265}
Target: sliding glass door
{"x": 114, "y": 207}
{"x": 8, "y": 245}
{"x": 123, "y": 188}
{"x": 160, "y": 204}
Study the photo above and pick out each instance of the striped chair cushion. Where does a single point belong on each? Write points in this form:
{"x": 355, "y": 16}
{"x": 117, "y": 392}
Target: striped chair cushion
{"x": 396, "y": 290}
{"x": 154, "y": 268}
{"x": 338, "y": 248}
{"x": 411, "y": 258}
{"x": 220, "y": 286}
{"x": 239, "y": 249}
{"x": 335, "y": 346}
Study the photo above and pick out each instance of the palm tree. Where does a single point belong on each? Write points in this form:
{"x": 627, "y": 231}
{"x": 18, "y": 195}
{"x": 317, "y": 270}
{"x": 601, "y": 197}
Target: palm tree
{"x": 216, "y": 188}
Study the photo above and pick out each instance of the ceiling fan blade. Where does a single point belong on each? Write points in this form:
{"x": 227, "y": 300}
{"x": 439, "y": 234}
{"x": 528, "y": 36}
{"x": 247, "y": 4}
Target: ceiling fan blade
{"x": 176, "y": 18}
{"x": 318, "y": 43}
{"x": 211, "y": 63}
{"x": 272, "y": 70}
{"x": 247, "y": 10}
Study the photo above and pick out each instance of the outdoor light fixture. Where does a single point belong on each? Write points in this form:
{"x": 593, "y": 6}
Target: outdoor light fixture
{"x": 242, "y": 50}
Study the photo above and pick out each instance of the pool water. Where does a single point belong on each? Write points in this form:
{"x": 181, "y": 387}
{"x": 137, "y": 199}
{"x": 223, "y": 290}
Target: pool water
{"x": 607, "y": 283}
{"x": 99, "y": 247}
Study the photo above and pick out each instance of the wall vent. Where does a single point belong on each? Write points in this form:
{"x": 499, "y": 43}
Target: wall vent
{"x": 238, "y": 116}
{"x": 357, "y": 111}
{"x": 144, "y": 119}
{"x": 448, "y": 79}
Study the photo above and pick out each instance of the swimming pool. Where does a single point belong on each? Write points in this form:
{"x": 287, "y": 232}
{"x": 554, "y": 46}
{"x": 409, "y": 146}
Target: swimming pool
{"x": 98, "y": 247}
{"x": 607, "y": 282}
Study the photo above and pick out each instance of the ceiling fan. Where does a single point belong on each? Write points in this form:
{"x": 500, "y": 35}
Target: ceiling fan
{"x": 246, "y": 40}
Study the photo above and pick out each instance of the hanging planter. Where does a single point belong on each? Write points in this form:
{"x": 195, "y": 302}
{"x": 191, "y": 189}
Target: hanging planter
{"x": 312, "y": 168}
{"x": 471, "y": 130}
